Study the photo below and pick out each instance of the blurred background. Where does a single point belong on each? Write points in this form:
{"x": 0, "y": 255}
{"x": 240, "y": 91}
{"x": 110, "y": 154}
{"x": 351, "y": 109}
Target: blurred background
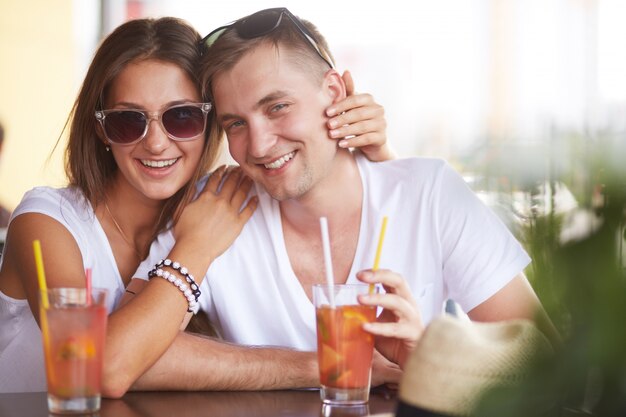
{"x": 469, "y": 81}
{"x": 515, "y": 94}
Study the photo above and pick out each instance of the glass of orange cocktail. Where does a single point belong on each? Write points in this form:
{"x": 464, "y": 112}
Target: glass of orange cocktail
{"x": 344, "y": 349}
{"x": 73, "y": 327}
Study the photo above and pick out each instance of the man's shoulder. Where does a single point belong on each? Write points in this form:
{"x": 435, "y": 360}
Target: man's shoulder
{"x": 404, "y": 169}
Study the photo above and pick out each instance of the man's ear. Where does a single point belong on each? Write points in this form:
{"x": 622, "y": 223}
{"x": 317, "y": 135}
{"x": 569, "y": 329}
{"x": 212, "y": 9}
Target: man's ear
{"x": 334, "y": 86}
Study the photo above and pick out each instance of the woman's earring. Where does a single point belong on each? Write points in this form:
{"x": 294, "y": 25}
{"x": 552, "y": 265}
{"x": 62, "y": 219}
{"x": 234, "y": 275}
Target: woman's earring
{"x": 107, "y": 148}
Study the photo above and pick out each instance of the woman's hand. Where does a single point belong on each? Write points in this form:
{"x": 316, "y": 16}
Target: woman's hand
{"x": 399, "y": 326}
{"x": 212, "y": 222}
{"x": 359, "y": 122}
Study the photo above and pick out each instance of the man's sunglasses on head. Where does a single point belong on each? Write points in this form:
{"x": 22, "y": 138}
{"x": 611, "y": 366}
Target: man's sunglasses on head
{"x": 263, "y": 22}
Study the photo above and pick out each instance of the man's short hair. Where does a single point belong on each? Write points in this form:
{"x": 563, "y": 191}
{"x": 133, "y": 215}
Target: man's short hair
{"x": 229, "y": 48}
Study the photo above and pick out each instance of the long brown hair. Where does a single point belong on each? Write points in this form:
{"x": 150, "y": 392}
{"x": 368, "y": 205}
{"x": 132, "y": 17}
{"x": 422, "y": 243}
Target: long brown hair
{"x": 88, "y": 165}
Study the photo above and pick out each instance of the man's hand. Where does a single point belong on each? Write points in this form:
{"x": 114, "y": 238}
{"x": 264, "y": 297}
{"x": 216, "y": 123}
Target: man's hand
{"x": 384, "y": 371}
{"x": 399, "y": 326}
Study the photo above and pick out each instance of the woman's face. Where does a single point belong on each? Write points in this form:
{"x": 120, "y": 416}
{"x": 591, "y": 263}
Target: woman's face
{"x": 156, "y": 166}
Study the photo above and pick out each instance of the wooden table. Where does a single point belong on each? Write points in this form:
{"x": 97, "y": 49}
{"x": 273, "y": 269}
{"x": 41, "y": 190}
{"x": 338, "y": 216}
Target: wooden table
{"x": 297, "y": 403}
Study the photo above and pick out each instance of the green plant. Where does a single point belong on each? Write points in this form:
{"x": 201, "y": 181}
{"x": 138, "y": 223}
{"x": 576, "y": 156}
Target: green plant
{"x": 582, "y": 283}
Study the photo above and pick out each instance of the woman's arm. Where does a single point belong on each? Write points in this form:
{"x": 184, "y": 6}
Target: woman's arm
{"x": 61, "y": 256}
{"x": 143, "y": 329}
{"x": 140, "y": 332}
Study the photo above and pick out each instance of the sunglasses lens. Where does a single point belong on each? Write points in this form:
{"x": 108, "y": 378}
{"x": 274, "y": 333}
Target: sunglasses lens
{"x": 184, "y": 122}
{"x": 124, "y": 126}
{"x": 210, "y": 39}
{"x": 259, "y": 23}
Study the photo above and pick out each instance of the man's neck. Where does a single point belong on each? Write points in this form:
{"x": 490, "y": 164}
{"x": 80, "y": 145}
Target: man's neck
{"x": 338, "y": 196}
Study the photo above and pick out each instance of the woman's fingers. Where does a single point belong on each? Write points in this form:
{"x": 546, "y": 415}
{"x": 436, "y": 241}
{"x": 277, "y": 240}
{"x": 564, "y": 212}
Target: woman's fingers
{"x": 362, "y": 102}
{"x": 230, "y": 183}
{"x": 249, "y": 209}
{"x": 349, "y": 82}
{"x": 361, "y": 123}
{"x": 362, "y": 127}
{"x": 214, "y": 181}
{"x": 356, "y": 108}
{"x": 240, "y": 194}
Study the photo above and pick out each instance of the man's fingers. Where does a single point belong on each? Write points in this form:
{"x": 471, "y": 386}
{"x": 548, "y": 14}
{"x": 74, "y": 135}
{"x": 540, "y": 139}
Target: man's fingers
{"x": 399, "y": 330}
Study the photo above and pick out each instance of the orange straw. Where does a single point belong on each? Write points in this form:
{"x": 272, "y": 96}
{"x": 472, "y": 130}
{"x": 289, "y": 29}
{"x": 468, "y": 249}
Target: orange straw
{"x": 379, "y": 249}
{"x": 41, "y": 275}
{"x": 88, "y": 285}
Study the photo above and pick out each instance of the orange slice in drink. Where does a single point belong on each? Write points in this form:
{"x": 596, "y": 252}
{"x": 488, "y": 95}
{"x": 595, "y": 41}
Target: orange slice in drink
{"x": 329, "y": 359}
{"x": 345, "y": 380}
{"x": 353, "y": 321}
{"x": 77, "y": 347}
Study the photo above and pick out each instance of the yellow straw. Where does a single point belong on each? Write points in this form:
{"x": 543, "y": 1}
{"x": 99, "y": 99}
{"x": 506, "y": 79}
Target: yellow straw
{"x": 379, "y": 249}
{"x": 45, "y": 303}
{"x": 41, "y": 276}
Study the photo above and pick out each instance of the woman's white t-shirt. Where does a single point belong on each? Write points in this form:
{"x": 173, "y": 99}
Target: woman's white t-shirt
{"x": 21, "y": 355}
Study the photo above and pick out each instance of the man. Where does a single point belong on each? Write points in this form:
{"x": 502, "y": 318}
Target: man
{"x": 271, "y": 77}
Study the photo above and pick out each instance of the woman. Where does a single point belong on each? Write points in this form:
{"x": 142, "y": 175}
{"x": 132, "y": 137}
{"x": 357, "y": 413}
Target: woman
{"x": 129, "y": 179}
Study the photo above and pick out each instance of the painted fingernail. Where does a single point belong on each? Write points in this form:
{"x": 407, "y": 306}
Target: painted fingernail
{"x": 331, "y": 111}
{"x": 343, "y": 144}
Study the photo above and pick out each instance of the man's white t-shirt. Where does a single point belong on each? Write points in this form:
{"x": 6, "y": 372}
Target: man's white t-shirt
{"x": 440, "y": 237}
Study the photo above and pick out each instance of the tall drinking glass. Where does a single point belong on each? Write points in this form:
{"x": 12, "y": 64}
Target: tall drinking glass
{"x": 73, "y": 330}
{"x": 344, "y": 349}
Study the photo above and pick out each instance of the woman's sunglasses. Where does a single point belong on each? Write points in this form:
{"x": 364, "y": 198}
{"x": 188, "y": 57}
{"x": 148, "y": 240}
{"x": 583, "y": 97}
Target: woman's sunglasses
{"x": 263, "y": 22}
{"x": 128, "y": 126}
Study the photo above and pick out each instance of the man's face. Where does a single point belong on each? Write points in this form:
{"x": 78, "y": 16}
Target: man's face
{"x": 273, "y": 115}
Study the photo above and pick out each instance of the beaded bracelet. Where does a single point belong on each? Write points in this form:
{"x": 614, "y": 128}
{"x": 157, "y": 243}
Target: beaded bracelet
{"x": 191, "y": 291}
{"x": 183, "y": 271}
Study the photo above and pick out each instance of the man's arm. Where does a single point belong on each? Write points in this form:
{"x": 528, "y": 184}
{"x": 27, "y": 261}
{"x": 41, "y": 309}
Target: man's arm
{"x": 197, "y": 363}
{"x": 516, "y": 300}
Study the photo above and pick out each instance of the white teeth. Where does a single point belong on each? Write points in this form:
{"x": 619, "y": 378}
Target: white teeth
{"x": 280, "y": 161}
{"x": 158, "y": 164}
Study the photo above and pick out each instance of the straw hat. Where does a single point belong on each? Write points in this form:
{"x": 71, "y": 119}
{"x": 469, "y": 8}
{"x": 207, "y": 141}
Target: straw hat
{"x": 456, "y": 361}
